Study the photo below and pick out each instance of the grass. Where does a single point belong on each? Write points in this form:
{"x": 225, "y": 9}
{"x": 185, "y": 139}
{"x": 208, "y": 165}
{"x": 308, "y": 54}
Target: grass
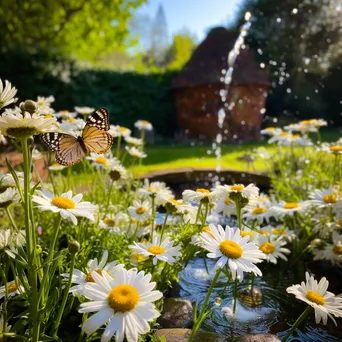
{"x": 162, "y": 157}
{"x": 173, "y": 156}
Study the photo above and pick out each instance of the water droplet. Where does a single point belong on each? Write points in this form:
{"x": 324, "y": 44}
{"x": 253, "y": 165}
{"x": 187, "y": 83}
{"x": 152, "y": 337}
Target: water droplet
{"x": 218, "y": 301}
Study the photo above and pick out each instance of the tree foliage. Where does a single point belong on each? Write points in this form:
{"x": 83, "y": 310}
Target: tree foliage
{"x": 86, "y": 29}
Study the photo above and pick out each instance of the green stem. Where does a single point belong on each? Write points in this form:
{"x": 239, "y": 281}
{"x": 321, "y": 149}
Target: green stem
{"x": 164, "y": 225}
{"x": 298, "y": 322}
{"x": 204, "y": 306}
{"x": 65, "y": 298}
{"x": 204, "y": 219}
{"x": 4, "y": 306}
{"x": 235, "y": 294}
{"x": 153, "y": 216}
{"x": 118, "y": 147}
{"x": 198, "y": 212}
{"x": 30, "y": 244}
{"x": 11, "y": 219}
{"x": 238, "y": 214}
{"x": 42, "y": 290}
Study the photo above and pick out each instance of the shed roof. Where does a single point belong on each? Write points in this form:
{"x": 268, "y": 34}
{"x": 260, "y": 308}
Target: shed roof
{"x": 210, "y": 58}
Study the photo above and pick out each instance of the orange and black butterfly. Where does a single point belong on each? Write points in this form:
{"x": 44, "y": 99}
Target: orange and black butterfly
{"x": 70, "y": 150}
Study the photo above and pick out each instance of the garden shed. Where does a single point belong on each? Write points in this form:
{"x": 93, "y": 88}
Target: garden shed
{"x": 196, "y": 90}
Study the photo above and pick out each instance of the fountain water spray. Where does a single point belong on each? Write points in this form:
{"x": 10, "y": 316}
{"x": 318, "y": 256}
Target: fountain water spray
{"x": 233, "y": 54}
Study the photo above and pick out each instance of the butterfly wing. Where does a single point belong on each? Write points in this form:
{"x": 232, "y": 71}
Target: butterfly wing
{"x": 68, "y": 150}
{"x": 94, "y": 135}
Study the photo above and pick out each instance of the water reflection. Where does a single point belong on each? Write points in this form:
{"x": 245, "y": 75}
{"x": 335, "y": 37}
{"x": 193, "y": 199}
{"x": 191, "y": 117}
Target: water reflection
{"x": 270, "y": 311}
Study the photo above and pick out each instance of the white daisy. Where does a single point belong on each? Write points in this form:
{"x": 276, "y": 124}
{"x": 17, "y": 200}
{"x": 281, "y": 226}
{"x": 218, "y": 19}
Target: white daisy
{"x": 135, "y": 152}
{"x": 45, "y": 101}
{"x": 124, "y": 302}
{"x": 7, "y": 181}
{"x": 288, "y": 208}
{"x": 24, "y": 125}
{"x": 117, "y": 172}
{"x": 84, "y": 110}
{"x": 199, "y": 195}
{"x": 114, "y": 221}
{"x": 278, "y": 231}
{"x": 273, "y": 248}
{"x": 13, "y": 289}
{"x": 9, "y": 240}
{"x": 260, "y": 214}
{"x": 102, "y": 161}
{"x": 82, "y": 278}
{"x": 332, "y": 251}
{"x": 325, "y": 303}
{"x": 224, "y": 191}
{"x": 324, "y": 198}
{"x": 69, "y": 207}
{"x": 56, "y": 167}
{"x": 158, "y": 190}
{"x": 119, "y": 131}
{"x": 9, "y": 196}
{"x": 133, "y": 141}
{"x": 72, "y": 125}
{"x": 159, "y": 250}
{"x": 230, "y": 247}
{"x": 143, "y": 125}
{"x": 140, "y": 210}
{"x": 271, "y": 131}
{"x": 7, "y": 94}
{"x": 225, "y": 206}
{"x": 187, "y": 212}
{"x": 65, "y": 114}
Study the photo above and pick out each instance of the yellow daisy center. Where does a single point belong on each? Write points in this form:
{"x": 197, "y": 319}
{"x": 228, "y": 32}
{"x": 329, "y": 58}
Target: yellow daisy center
{"x": 63, "y": 202}
{"x": 123, "y": 298}
{"x": 156, "y": 250}
{"x": 315, "y": 297}
{"x": 230, "y": 249}
{"x": 89, "y": 277}
{"x": 290, "y": 205}
{"x": 134, "y": 220}
{"x": 173, "y": 201}
{"x": 140, "y": 210}
{"x": 262, "y": 232}
{"x": 243, "y": 234}
{"x": 267, "y": 248}
{"x": 239, "y": 187}
{"x": 206, "y": 229}
{"x": 270, "y": 129}
{"x": 138, "y": 257}
{"x": 307, "y": 122}
{"x": 101, "y": 160}
{"x": 339, "y": 222}
{"x": 64, "y": 112}
{"x": 12, "y": 287}
{"x": 71, "y": 120}
{"x": 338, "y": 249}
{"x": 227, "y": 201}
{"x": 153, "y": 189}
{"x": 123, "y": 129}
{"x": 144, "y": 122}
{"x": 48, "y": 116}
{"x": 277, "y": 231}
{"x": 109, "y": 222}
{"x": 330, "y": 198}
{"x": 284, "y": 134}
{"x": 40, "y": 102}
{"x": 258, "y": 211}
{"x": 335, "y": 148}
{"x": 203, "y": 191}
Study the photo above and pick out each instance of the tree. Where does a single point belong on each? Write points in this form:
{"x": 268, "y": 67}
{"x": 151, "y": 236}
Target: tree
{"x": 87, "y": 29}
{"x": 180, "y": 51}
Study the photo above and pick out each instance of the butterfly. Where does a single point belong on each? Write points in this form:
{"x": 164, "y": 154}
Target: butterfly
{"x": 70, "y": 150}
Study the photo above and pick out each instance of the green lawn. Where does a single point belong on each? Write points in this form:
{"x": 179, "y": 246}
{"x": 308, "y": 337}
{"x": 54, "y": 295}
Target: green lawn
{"x": 175, "y": 156}
{"x": 161, "y": 157}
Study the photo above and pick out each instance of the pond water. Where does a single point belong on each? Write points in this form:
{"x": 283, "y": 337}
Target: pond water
{"x": 273, "y": 310}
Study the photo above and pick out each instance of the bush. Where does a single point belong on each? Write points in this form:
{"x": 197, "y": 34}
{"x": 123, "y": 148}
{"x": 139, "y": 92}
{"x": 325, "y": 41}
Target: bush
{"x": 128, "y": 96}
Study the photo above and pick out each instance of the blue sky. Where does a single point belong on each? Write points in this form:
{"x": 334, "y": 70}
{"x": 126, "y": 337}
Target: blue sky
{"x": 196, "y": 15}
